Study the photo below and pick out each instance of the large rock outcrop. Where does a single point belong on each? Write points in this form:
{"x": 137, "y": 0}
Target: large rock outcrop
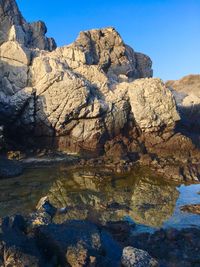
{"x": 81, "y": 96}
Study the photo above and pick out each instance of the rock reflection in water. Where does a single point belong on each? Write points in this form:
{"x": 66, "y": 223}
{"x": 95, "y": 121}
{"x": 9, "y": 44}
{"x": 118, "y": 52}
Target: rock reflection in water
{"x": 102, "y": 198}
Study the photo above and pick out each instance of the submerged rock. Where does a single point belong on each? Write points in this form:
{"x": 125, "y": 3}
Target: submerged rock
{"x": 9, "y": 168}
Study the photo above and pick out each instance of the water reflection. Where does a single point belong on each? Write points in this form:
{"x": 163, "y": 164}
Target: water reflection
{"x": 92, "y": 194}
{"x": 101, "y": 198}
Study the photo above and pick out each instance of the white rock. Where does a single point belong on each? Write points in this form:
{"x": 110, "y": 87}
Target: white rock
{"x": 152, "y": 104}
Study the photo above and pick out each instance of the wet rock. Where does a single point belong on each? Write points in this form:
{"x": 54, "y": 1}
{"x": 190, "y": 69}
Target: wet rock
{"x": 39, "y": 218}
{"x": 9, "y": 168}
{"x": 76, "y": 242}
{"x": 15, "y": 257}
{"x": 45, "y": 206}
{"x": 133, "y": 257}
{"x": 120, "y": 230}
{"x": 17, "y": 248}
{"x": 171, "y": 247}
{"x": 77, "y": 256}
{"x": 116, "y": 151}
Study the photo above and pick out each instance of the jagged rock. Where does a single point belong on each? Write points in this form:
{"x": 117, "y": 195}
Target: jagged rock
{"x": 16, "y": 248}
{"x": 106, "y": 49}
{"x": 74, "y": 102}
{"x": 78, "y": 97}
{"x": 13, "y": 27}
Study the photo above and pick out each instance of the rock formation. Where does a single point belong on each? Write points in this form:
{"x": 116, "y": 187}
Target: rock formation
{"x": 79, "y": 96}
{"x": 13, "y": 27}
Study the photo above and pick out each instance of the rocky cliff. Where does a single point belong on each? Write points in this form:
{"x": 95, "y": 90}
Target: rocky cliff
{"x": 95, "y": 94}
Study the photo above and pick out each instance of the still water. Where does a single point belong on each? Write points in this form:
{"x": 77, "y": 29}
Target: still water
{"x": 100, "y": 196}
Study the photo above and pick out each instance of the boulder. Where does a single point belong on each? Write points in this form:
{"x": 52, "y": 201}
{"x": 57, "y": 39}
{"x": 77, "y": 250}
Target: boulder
{"x": 153, "y": 105}
{"x": 133, "y": 257}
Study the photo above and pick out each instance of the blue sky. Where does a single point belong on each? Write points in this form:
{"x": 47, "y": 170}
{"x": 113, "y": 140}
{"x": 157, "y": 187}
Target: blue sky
{"x": 166, "y": 30}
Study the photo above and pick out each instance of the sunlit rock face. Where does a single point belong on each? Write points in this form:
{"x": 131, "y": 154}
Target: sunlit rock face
{"x": 78, "y": 96}
{"x": 153, "y": 105}
{"x": 100, "y": 198}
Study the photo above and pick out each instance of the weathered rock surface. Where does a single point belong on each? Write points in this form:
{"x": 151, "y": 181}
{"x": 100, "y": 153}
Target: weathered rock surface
{"x": 153, "y": 105}
{"x": 78, "y": 96}
{"x": 95, "y": 94}
{"x": 13, "y": 27}
{"x": 133, "y": 257}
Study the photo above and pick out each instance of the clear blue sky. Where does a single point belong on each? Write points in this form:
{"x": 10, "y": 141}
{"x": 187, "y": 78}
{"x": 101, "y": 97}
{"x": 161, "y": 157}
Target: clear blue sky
{"x": 166, "y": 30}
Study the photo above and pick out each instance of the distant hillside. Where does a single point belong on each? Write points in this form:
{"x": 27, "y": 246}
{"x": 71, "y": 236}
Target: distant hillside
{"x": 188, "y": 84}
